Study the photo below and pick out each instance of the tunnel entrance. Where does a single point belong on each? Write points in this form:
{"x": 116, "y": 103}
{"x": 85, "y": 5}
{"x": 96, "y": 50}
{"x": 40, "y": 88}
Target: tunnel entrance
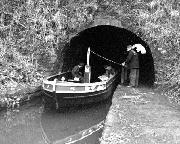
{"x": 108, "y": 42}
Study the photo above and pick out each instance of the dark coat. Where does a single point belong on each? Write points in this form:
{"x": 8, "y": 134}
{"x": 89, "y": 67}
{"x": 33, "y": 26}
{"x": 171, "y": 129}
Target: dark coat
{"x": 132, "y": 60}
{"x": 76, "y": 72}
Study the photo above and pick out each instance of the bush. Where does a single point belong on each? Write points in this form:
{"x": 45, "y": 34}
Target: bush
{"x": 30, "y": 32}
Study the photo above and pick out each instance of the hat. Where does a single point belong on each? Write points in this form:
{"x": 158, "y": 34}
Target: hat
{"x": 140, "y": 48}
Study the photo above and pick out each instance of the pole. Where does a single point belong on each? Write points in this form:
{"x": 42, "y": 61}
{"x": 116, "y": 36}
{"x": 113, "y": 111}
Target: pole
{"x": 87, "y": 74}
{"x": 88, "y": 56}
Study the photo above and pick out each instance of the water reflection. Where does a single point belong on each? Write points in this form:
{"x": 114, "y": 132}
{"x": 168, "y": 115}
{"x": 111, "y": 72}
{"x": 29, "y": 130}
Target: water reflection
{"x": 31, "y": 124}
{"x": 75, "y": 123}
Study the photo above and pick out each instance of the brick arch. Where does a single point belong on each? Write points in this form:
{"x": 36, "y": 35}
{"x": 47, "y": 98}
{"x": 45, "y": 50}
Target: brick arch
{"x": 106, "y": 20}
{"x": 99, "y": 20}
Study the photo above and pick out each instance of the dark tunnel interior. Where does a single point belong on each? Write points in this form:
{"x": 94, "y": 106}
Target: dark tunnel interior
{"x": 108, "y": 42}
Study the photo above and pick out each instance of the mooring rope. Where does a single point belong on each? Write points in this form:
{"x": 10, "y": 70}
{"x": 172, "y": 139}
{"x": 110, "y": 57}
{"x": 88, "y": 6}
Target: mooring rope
{"x": 106, "y": 58}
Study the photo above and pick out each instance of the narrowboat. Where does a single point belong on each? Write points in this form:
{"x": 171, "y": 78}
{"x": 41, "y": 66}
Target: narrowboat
{"x": 62, "y": 90}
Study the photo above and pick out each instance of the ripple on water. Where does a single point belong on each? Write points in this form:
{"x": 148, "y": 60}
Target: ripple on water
{"x": 76, "y": 123}
{"x": 81, "y": 124}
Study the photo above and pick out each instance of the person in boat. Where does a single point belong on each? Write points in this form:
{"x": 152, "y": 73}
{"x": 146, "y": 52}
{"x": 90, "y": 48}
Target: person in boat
{"x": 77, "y": 72}
{"x": 109, "y": 71}
{"x": 132, "y": 63}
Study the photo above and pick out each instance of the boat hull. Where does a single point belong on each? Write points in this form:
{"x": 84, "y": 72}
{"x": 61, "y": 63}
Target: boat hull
{"x": 72, "y": 99}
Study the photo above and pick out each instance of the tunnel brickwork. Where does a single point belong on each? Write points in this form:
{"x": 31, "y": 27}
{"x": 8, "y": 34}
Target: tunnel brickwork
{"x": 108, "y": 45}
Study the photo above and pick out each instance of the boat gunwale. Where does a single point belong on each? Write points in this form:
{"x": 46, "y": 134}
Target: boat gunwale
{"x": 88, "y": 94}
{"x": 66, "y": 83}
{"x": 72, "y": 84}
{"x": 59, "y": 83}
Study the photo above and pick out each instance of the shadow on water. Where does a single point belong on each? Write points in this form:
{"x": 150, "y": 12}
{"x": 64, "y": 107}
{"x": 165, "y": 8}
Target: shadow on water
{"x": 31, "y": 124}
{"x": 82, "y": 124}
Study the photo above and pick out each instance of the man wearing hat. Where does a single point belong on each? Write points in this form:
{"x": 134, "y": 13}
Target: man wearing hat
{"x": 132, "y": 63}
{"x": 77, "y": 72}
{"x": 109, "y": 71}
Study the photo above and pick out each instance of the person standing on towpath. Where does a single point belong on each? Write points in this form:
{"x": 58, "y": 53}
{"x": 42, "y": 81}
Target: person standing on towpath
{"x": 132, "y": 63}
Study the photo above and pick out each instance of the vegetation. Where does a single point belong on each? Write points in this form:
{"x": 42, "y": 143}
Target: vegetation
{"x": 31, "y": 30}
{"x": 157, "y": 23}
{"x": 31, "y": 33}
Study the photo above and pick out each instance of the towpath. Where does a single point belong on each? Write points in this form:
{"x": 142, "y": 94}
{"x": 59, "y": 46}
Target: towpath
{"x": 141, "y": 116}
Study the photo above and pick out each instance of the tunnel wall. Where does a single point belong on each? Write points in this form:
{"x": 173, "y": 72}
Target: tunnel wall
{"x": 109, "y": 42}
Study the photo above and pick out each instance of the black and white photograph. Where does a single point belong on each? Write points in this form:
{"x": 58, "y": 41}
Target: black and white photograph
{"x": 89, "y": 72}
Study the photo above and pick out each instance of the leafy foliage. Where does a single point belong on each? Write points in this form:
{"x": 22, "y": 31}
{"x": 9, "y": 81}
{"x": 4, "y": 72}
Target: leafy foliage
{"x": 32, "y": 30}
{"x": 157, "y": 23}
{"x": 160, "y": 24}
{"x": 30, "y": 33}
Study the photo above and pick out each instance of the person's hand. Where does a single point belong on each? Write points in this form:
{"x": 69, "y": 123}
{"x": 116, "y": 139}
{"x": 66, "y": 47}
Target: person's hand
{"x": 123, "y": 64}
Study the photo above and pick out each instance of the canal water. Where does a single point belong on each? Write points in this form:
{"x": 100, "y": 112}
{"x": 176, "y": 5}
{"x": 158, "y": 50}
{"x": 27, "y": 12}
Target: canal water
{"x": 32, "y": 124}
